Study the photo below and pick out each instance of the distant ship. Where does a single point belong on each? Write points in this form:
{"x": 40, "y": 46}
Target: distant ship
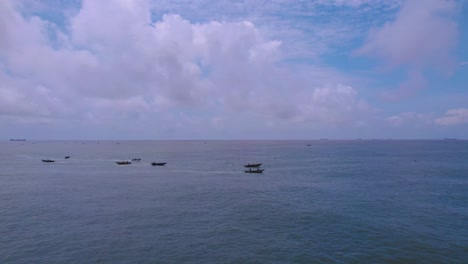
{"x": 17, "y": 139}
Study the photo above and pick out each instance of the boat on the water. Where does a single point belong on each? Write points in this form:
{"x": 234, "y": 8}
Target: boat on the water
{"x": 67, "y": 157}
{"x": 48, "y": 160}
{"x": 123, "y": 162}
{"x": 253, "y": 165}
{"x": 158, "y": 163}
{"x": 258, "y": 170}
{"x": 136, "y": 159}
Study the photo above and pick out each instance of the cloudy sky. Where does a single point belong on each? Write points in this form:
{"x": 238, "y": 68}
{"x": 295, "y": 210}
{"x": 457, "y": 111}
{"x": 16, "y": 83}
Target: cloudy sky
{"x": 240, "y": 69}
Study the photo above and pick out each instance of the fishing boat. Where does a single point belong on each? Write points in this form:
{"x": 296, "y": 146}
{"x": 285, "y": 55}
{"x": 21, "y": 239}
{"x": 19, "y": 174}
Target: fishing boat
{"x": 48, "y": 160}
{"x": 123, "y": 162}
{"x": 158, "y": 163}
{"x": 253, "y": 165}
{"x": 136, "y": 159}
{"x": 258, "y": 170}
{"x": 67, "y": 157}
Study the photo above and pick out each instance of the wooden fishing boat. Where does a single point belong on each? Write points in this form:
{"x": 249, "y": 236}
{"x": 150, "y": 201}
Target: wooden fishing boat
{"x": 253, "y": 165}
{"x": 123, "y": 162}
{"x": 254, "y": 171}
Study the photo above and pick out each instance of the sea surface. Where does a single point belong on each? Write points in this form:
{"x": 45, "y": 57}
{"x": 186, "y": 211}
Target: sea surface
{"x": 331, "y": 202}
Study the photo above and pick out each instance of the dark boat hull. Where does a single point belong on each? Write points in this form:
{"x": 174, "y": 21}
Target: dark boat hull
{"x": 158, "y": 163}
{"x": 255, "y": 165}
{"x": 48, "y": 161}
{"x": 123, "y": 162}
{"x": 254, "y": 171}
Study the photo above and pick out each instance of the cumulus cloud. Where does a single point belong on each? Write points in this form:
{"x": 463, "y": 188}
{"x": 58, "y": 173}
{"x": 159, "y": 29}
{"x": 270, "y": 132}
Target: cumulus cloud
{"x": 423, "y": 34}
{"x": 357, "y": 3}
{"x": 410, "y": 118}
{"x": 334, "y": 104}
{"x": 454, "y": 117}
{"x": 116, "y": 62}
{"x": 414, "y": 83}
{"x": 451, "y": 117}
{"x": 422, "y": 37}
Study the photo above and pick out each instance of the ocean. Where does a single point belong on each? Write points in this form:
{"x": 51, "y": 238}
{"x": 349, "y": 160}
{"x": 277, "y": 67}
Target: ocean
{"x": 324, "y": 201}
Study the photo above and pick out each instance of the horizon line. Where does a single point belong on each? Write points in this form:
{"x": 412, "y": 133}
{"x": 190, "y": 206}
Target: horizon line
{"x": 253, "y": 139}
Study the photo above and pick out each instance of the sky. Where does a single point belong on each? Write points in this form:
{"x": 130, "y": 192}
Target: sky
{"x": 241, "y": 69}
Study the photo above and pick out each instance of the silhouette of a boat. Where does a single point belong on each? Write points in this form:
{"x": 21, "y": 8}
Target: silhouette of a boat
{"x": 258, "y": 170}
{"x": 123, "y": 162}
{"x": 253, "y": 165}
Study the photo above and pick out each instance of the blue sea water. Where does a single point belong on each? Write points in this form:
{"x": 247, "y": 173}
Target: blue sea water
{"x": 330, "y": 202}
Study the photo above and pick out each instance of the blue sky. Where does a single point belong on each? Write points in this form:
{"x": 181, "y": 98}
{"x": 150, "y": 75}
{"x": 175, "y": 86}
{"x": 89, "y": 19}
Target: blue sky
{"x": 151, "y": 69}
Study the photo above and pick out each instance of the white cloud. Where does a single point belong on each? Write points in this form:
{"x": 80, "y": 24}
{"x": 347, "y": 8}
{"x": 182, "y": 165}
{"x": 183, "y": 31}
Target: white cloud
{"x": 451, "y": 117}
{"x": 415, "y": 82}
{"x": 358, "y": 3}
{"x": 303, "y": 26}
{"x": 115, "y": 64}
{"x": 410, "y": 118}
{"x": 454, "y": 117}
{"x": 334, "y": 104}
{"x": 423, "y": 34}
